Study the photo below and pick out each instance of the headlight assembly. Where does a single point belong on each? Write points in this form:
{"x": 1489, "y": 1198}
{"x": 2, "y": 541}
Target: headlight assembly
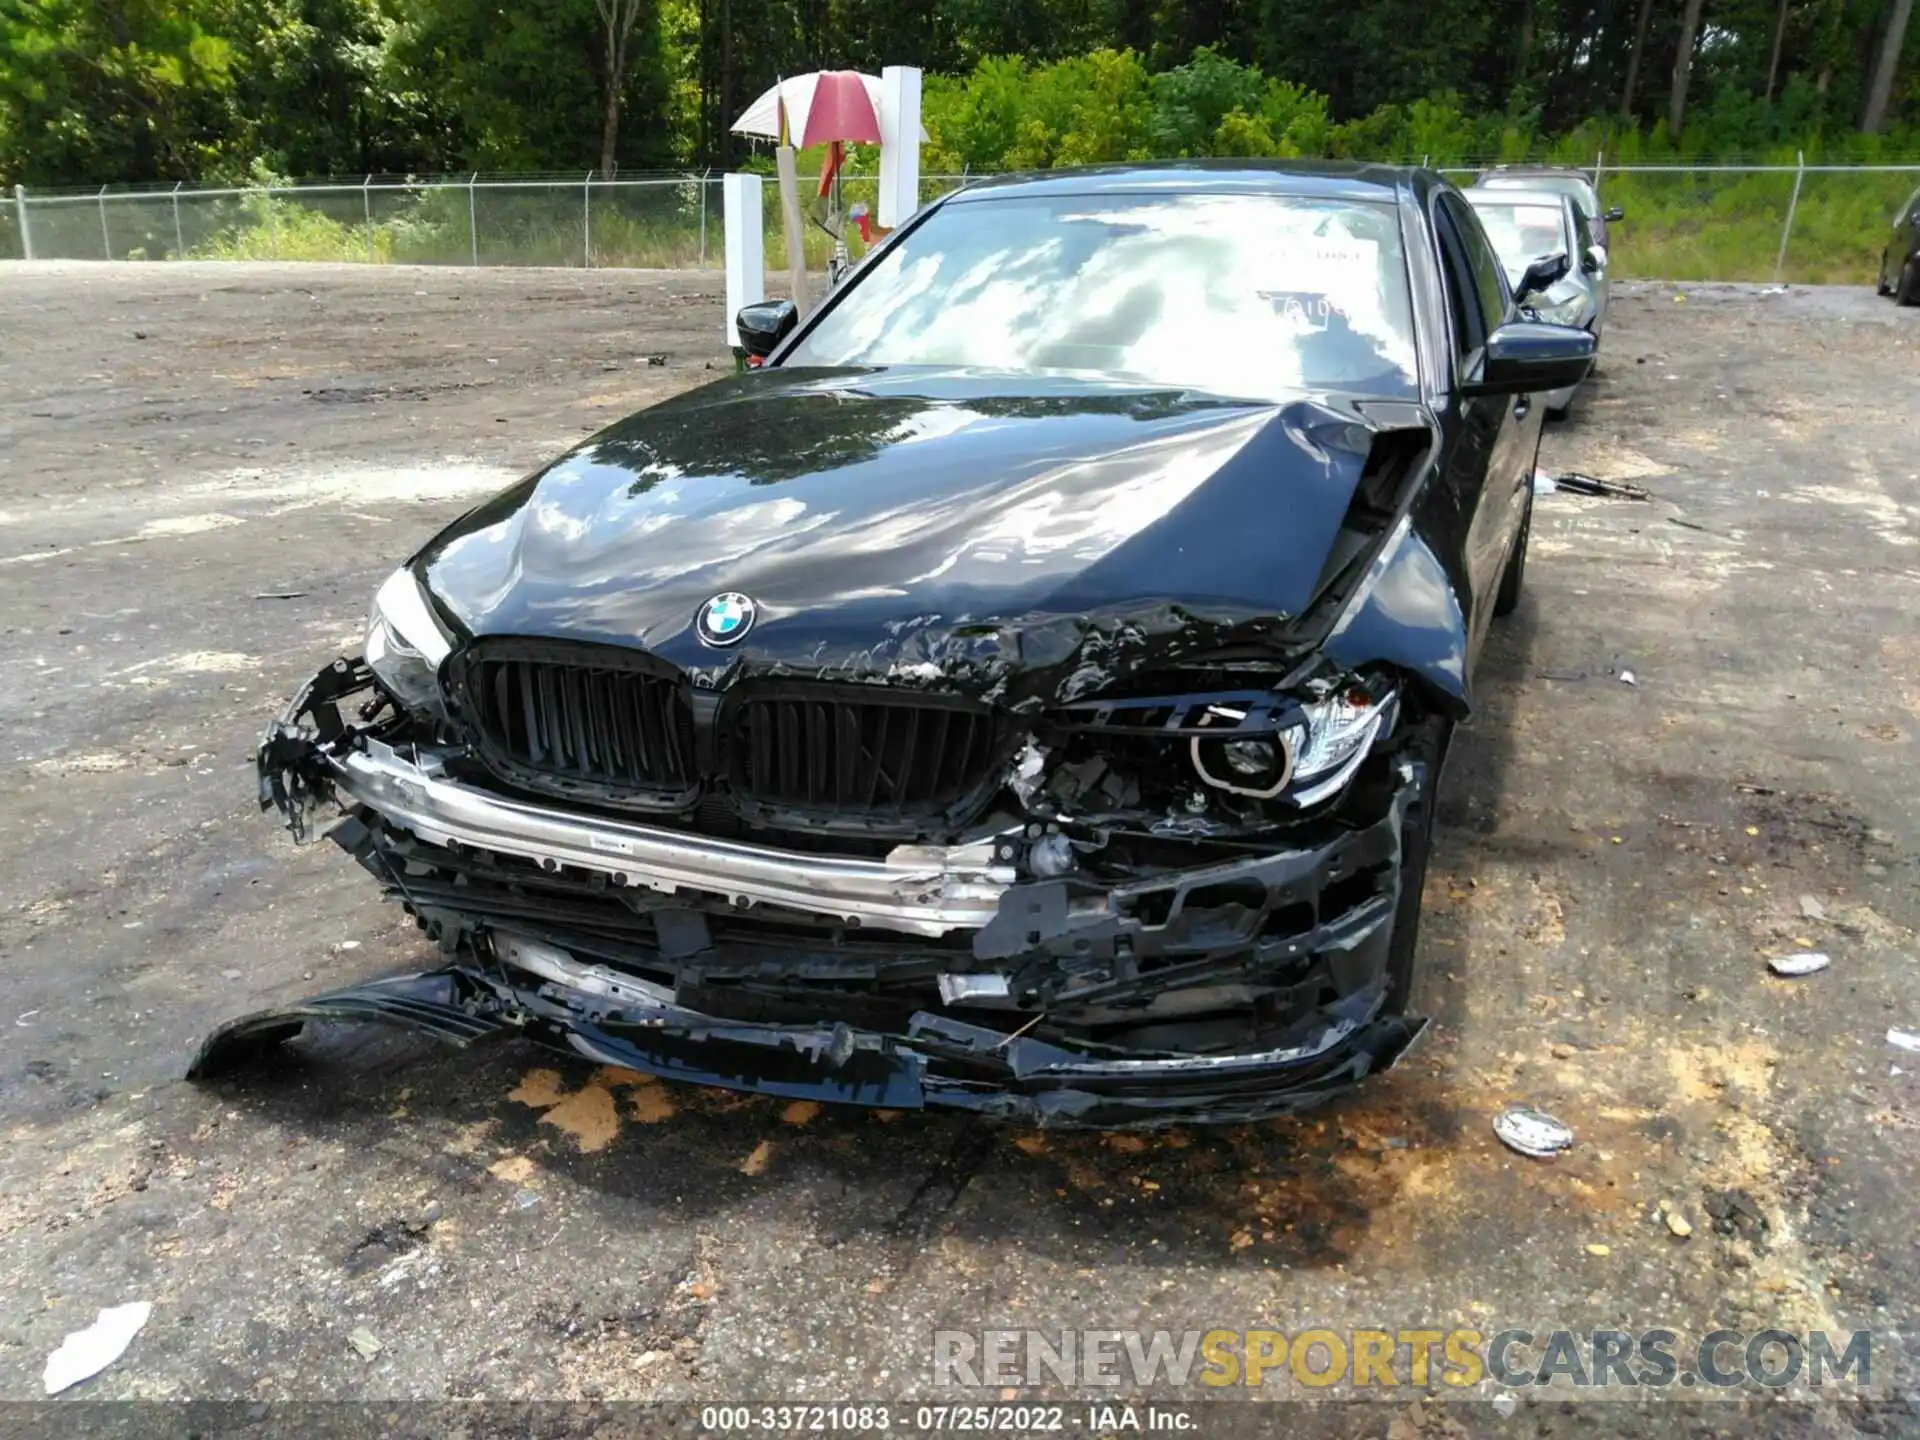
{"x": 1307, "y": 761}
{"x": 1340, "y": 731}
{"x": 405, "y": 643}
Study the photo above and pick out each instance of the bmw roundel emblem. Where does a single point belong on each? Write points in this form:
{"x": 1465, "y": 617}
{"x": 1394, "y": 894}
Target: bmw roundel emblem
{"x": 726, "y": 619}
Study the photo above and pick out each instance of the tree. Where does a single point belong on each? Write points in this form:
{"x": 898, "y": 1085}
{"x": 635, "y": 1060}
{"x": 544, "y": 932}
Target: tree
{"x": 1874, "y": 117}
{"x": 1773, "y": 60}
{"x": 617, "y": 19}
{"x": 1683, "y": 67}
{"x": 1633, "y": 56}
{"x": 528, "y": 84}
{"x": 109, "y": 90}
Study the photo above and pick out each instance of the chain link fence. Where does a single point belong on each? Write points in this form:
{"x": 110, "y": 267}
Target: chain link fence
{"x": 654, "y": 221}
{"x": 1801, "y": 223}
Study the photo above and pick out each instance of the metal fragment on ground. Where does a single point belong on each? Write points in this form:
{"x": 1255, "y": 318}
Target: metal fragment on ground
{"x": 364, "y": 1342}
{"x": 1593, "y": 485}
{"x": 1532, "y": 1132}
{"x": 1626, "y": 678}
{"x": 1803, "y": 962}
{"x": 1905, "y": 1039}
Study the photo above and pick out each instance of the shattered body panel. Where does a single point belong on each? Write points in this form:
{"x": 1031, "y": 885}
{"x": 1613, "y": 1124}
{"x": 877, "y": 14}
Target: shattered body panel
{"x": 939, "y": 531}
{"x": 629, "y": 965}
{"x": 1073, "y": 761}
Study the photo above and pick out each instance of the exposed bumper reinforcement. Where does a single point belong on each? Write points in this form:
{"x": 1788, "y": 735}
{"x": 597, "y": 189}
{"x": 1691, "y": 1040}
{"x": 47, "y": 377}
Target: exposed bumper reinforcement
{"x": 916, "y": 890}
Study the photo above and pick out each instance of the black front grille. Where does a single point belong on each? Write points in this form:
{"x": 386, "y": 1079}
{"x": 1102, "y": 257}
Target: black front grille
{"x": 858, "y": 751}
{"x": 577, "y": 719}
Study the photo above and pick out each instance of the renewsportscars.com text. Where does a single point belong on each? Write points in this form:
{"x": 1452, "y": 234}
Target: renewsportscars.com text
{"x": 1461, "y": 1358}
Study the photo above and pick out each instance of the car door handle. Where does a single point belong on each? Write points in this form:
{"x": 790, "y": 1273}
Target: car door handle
{"x": 1522, "y": 406}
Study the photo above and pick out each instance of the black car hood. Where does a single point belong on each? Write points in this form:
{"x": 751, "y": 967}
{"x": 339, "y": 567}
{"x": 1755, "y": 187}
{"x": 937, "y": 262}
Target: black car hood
{"x": 944, "y": 527}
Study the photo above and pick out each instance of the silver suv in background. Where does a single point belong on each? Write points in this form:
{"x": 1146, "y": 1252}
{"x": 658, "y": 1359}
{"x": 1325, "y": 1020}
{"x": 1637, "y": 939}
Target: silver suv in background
{"x": 1528, "y": 226}
{"x": 1560, "y": 180}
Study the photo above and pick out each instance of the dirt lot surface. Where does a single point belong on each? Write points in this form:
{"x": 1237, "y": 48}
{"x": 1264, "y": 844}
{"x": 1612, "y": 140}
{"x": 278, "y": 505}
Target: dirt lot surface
{"x": 204, "y": 473}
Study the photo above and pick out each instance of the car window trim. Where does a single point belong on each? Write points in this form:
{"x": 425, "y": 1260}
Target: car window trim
{"x": 1581, "y": 244}
{"x": 1426, "y": 274}
{"x": 1464, "y": 216}
{"x": 1466, "y": 354}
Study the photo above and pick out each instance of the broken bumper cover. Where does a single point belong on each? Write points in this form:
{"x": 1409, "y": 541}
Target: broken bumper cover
{"x": 938, "y": 1062}
{"x": 1332, "y": 1033}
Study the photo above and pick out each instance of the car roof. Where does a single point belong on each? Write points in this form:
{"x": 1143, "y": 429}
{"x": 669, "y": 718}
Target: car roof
{"x": 1324, "y": 179}
{"x": 1521, "y": 171}
{"x": 1516, "y": 195}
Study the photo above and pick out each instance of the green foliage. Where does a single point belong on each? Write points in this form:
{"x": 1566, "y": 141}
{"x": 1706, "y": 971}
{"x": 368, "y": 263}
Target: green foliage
{"x": 141, "y": 89}
{"x": 102, "y": 91}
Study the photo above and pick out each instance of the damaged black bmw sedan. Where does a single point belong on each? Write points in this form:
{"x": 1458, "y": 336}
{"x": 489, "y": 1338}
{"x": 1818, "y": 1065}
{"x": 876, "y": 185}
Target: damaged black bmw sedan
{"x": 1024, "y": 692}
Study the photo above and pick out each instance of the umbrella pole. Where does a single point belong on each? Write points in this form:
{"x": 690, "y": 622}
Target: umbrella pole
{"x": 842, "y": 260}
{"x": 792, "y": 223}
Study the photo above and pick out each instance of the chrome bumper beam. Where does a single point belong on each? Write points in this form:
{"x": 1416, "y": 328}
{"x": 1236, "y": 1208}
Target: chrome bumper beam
{"x": 925, "y": 890}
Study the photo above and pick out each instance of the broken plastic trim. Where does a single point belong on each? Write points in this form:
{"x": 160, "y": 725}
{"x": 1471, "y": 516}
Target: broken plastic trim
{"x": 936, "y": 1062}
{"x": 292, "y": 759}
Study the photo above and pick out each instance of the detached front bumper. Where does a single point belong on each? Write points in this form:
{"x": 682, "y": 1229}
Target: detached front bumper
{"x": 557, "y": 921}
{"x": 937, "y": 1062}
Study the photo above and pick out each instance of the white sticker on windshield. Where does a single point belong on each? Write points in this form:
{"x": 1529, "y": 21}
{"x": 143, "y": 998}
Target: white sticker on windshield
{"x": 1311, "y": 278}
{"x": 1331, "y": 265}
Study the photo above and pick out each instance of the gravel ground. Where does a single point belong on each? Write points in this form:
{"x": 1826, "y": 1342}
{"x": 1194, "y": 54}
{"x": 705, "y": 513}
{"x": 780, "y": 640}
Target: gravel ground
{"x": 204, "y": 472}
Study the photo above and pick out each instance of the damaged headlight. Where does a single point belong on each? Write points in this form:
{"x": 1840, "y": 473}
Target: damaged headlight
{"x": 1296, "y": 747}
{"x": 1562, "y": 308}
{"x": 405, "y": 643}
{"x": 1306, "y": 761}
{"x": 1340, "y": 731}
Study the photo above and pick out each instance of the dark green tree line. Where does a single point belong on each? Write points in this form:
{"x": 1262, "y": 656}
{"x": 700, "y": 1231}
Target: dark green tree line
{"x": 96, "y": 91}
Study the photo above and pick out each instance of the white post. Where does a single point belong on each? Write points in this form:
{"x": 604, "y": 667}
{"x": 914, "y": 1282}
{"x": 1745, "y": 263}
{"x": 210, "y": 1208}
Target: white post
{"x": 473, "y": 228}
{"x": 20, "y": 213}
{"x": 273, "y": 228}
{"x": 366, "y": 206}
{"x": 1786, "y": 230}
{"x": 899, "y": 145}
{"x": 106, "y": 241}
{"x": 1599, "y": 169}
{"x": 179, "y": 240}
{"x": 586, "y": 222}
{"x": 704, "y": 177}
{"x": 743, "y": 228}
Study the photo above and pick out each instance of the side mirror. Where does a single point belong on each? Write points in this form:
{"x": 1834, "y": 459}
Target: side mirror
{"x": 1615, "y": 215}
{"x": 1541, "y": 274}
{"x": 763, "y": 326}
{"x": 1525, "y": 357}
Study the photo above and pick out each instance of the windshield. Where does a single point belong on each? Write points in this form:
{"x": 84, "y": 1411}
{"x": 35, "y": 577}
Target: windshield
{"x": 1243, "y": 295}
{"x": 1521, "y": 233}
{"x": 1574, "y": 185}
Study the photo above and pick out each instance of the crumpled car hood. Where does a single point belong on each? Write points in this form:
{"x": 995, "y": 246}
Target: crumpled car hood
{"x": 888, "y": 522}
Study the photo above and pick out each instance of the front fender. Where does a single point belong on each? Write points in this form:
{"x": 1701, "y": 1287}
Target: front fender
{"x": 1407, "y": 613}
